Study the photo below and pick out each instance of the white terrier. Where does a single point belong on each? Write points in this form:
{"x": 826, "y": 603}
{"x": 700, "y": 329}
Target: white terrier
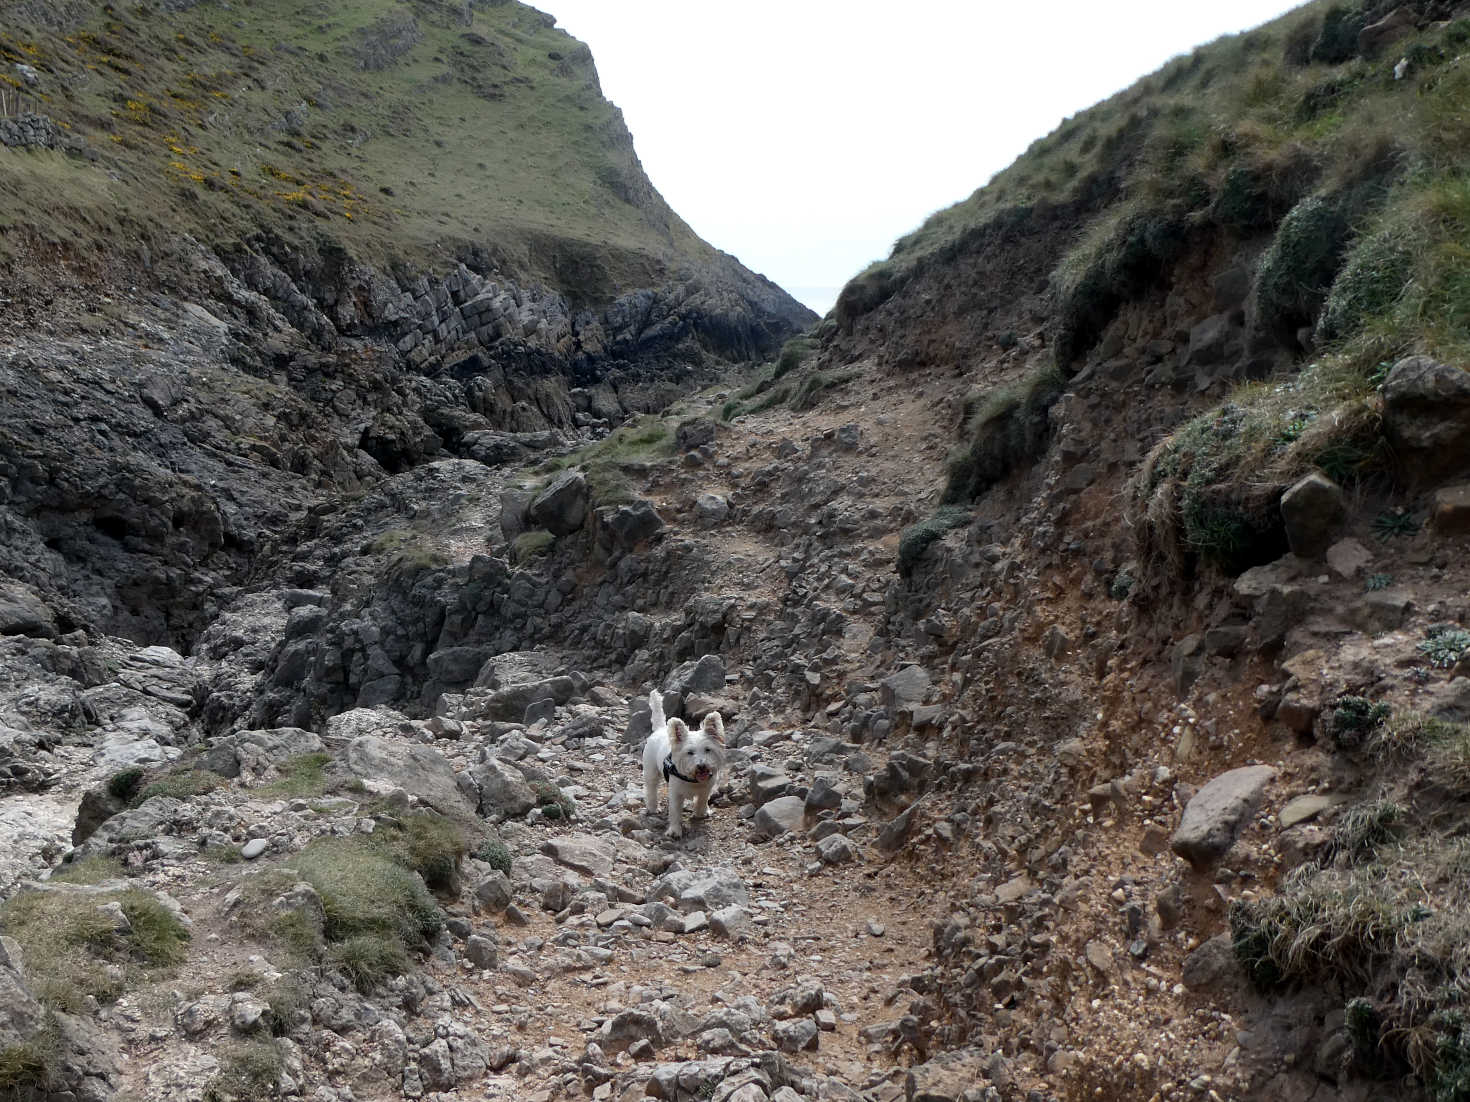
{"x": 689, "y": 760}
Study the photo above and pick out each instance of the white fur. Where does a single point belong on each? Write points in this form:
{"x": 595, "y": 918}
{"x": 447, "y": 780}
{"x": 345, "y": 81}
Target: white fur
{"x": 699, "y": 754}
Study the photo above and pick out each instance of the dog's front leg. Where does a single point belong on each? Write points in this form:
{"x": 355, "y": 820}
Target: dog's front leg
{"x": 701, "y": 803}
{"x": 676, "y": 810}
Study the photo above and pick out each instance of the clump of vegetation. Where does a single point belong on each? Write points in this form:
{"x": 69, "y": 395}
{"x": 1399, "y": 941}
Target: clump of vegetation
{"x": 1212, "y": 489}
{"x": 1377, "y": 581}
{"x": 1394, "y": 522}
{"x": 74, "y": 949}
{"x": 1298, "y": 267}
{"x": 1361, "y": 829}
{"x": 1121, "y": 585}
{"x": 1119, "y": 257}
{"x": 794, "y": 353}
{"x": 1387, "y": 924}
{"x": 916, "y": 538}
{"x": 248, "y": 1073}
{"x": 90, "y": 870}
{"x": 407, "y": 551}
{"x": 368, "y": 960}
{"x": 28, "y": 1068}
{"x": 553, "y": 802}
{"x": 302, "y": 776}
{"x": 1005, "y": 429}
{"x": 1445, "y": 645}
{"x": 125, "y": 784}
{"x": 647, "y": 437}
{"x": 493, "y": 852}
{"x": 179, "y": 785}
{"x": 530, "y": 545}
{"x": 433, "y": 846}
{"x": 1354, "y": 719}
{"x": 375, "y": 893}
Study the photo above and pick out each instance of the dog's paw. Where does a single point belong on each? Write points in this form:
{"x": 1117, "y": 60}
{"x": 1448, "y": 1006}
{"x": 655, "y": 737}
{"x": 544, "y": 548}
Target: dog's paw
{"x": 700, "y": 813}
{"x": 674, "y": 833}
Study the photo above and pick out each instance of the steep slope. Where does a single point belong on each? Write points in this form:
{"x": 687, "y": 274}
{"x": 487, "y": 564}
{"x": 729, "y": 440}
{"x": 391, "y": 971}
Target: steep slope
{"x": 258, "y": 253}
{"x": 1085, "y": 598}
{"x": 1239, "y": 331}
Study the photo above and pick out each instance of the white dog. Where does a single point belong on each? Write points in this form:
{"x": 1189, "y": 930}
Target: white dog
{"x": 689, "y": 760}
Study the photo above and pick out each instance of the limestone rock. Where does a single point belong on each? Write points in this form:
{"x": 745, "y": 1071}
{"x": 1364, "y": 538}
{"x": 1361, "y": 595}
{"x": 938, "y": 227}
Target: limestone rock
{"x": 495, "y": 788}
{"x": 418, "y": 770}
{"x": 582, "y": 852}
{"x": 1215, "y": 814}
{"x": 785, "y": 813}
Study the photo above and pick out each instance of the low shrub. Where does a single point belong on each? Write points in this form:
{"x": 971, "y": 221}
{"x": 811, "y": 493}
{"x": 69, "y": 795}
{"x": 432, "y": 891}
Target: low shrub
{"x": 1361, "y": 829}
{"x": 1212, "y": 490}
{"x": 493, "y": 852}
{"x": 1354, "y": 719}
{"x": 433, "y": 846}
{"x": 809, "y": 392}
{"x": 366, "y": 892}
{"x": 1337, "y": 41}
{"x": 1120, "y": 257}
{"x": 124, "y": 785}
{"x": 794, "y": 353}
{"x": 916, "y": 538}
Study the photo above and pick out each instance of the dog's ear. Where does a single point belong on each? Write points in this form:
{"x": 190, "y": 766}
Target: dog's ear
{"x": 678, "y": 731}
{"x": 714, "y": 727}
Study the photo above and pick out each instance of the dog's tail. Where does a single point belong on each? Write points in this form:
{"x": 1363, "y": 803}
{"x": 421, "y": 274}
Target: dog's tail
{"x": 656, "y": 707}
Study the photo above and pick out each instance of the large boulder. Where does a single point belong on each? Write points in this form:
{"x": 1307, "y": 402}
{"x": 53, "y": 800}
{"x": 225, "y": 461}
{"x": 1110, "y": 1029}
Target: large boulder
{"x": 496, "y": 789}
{"x": 1313, "y": 511}
{"x": 22, "y": 612}
{"x": 1214, "y": 817}
{"x": 422, "y": 772}
{"x": 620, "y": 528}
{"x": 1426, "y": 415}
{"x": 561, "y": 507}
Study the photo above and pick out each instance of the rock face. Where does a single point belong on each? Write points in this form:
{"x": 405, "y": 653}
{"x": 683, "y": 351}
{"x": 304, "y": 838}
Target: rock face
{"x": 1215, "y": 814}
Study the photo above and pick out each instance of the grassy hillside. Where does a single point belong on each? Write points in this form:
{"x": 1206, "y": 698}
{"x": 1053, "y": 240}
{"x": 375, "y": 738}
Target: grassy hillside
{"x": 396, "y": 126}
{"x": 1229, "y": 140}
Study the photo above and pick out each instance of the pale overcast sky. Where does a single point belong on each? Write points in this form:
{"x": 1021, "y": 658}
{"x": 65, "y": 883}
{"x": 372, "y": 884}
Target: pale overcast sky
{"x": 804, "y": 136}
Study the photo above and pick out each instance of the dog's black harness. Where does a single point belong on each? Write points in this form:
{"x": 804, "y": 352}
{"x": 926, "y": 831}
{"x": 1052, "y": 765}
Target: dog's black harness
{"x": 671, "y": 770}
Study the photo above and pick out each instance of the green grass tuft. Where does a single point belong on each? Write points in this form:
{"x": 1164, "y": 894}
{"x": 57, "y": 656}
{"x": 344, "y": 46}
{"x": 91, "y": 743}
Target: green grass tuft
{"x": 300, "y": 777}
{"x": 248, "y": 1073}
{"x": 917, "y": 538}
{"x": 1005, "y": 429}
{"x": 181, "y": 785}
{"x": 531, "y": 545}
